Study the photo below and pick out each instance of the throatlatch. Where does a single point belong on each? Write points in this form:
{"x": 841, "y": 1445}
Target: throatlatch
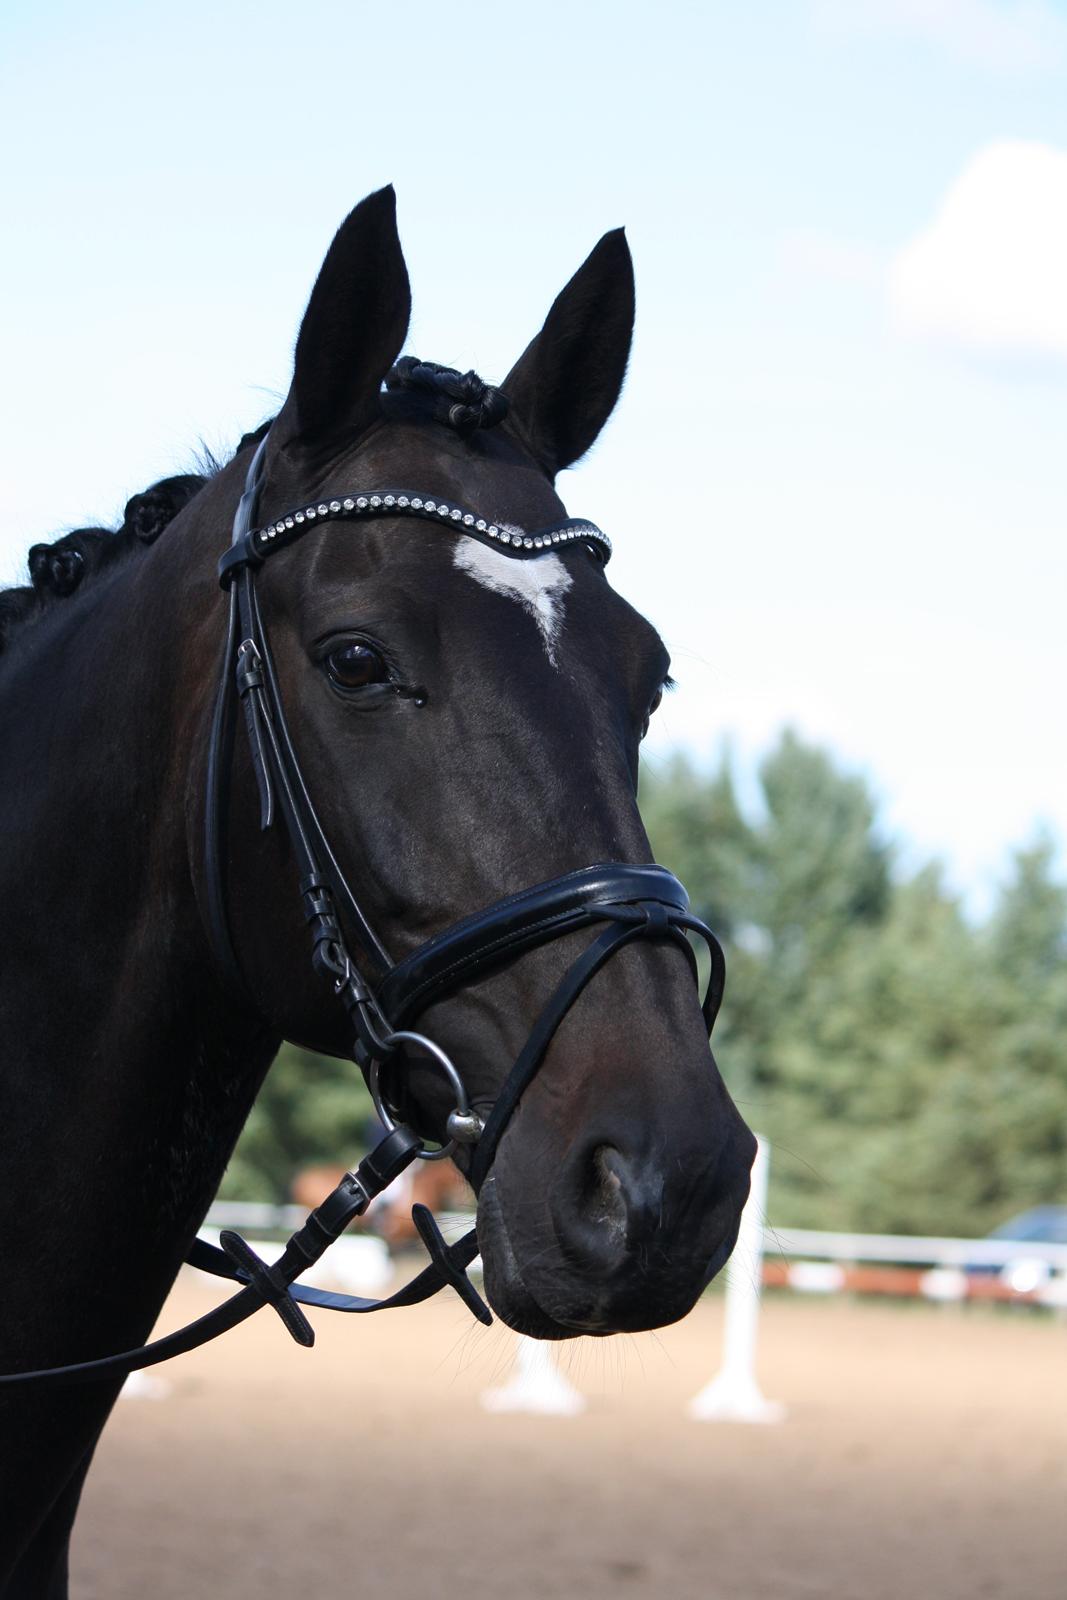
{"x": 628, "y": 902}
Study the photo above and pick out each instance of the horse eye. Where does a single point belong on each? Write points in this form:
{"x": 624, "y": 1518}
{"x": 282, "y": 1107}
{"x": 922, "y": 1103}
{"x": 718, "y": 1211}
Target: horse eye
{"x": 654, "y": 703}
{"x": 354, "y": 666}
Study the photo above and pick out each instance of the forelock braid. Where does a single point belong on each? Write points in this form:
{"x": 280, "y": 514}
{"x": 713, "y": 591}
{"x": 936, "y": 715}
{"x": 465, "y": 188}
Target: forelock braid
{"x": 461, "y": 400}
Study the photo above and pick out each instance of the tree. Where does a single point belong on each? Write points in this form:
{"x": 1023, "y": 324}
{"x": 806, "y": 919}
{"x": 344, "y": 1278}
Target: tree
{"x": 311, "y": 1109}
{"x": 909, "y": 1069}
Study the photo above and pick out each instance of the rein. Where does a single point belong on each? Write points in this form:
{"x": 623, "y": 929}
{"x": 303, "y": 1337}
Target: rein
{"x": 625, "y": 902}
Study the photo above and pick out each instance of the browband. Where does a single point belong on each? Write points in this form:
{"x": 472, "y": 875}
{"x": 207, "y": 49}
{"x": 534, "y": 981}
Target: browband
{"x": 253, "y": 546}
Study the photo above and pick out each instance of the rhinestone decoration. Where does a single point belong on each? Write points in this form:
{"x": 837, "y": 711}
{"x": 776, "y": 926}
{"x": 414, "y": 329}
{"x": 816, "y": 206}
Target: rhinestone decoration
{"x": 517, "y": 541}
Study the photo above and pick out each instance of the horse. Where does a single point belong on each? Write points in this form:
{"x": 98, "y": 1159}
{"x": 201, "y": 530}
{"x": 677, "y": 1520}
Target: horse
{"x": 468, "y": 717}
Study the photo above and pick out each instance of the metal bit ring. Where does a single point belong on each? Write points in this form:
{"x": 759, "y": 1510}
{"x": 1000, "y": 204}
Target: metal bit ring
{"x": 463, "y": 1124}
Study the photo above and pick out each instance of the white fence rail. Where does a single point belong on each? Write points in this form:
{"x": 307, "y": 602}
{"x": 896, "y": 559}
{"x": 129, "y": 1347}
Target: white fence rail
{"x": 805, "y": 1243}
{"x": 255, "y": 1214}
{"x": 783, "y": 1243}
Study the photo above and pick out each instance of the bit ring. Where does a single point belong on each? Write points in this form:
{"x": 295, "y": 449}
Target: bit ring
{"x": 462, "y": 1121}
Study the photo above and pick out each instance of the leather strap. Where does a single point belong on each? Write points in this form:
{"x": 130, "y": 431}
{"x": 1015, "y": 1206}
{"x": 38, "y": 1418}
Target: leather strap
{"x": 650, "y": 920}
{"x": 520, "y": 922}
{"x": 273, "y": 1284}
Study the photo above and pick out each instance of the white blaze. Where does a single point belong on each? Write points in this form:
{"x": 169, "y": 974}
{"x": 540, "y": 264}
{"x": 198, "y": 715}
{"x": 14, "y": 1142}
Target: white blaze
{"x": 538, "y": 584}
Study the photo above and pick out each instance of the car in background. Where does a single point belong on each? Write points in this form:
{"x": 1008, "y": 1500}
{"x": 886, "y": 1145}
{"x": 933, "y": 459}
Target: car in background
{"x": 1040, "y": 1225}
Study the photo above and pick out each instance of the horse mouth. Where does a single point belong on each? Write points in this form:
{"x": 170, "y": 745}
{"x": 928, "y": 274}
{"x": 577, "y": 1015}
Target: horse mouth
{"x": 555, "y": 1296}
{"x": 505, "y": 1287}
{"x": 511, "y": 1297}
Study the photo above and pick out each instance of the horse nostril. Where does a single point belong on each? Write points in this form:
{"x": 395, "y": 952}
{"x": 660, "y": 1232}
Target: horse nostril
{"x": 607, "y": 1206}
{"x": 605, "y": 1198}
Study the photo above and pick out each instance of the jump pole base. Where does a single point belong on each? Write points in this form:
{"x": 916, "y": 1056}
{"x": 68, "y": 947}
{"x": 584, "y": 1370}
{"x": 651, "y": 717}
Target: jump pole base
{"x": 734, "y": 1397}
{"x": 537, "y": 1386}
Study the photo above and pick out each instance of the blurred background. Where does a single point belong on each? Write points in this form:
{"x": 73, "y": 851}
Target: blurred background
{"x": 834, "y": 482}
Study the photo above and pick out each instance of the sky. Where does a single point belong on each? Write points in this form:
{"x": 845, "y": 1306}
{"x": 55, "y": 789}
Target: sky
{"x": 834, "y": 480}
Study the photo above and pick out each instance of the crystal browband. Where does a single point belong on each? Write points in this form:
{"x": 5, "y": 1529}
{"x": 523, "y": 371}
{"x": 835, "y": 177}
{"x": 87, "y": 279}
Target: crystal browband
{"x": 517, "y": 542}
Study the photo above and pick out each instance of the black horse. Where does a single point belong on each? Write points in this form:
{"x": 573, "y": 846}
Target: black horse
{"x": 469, "y": 725}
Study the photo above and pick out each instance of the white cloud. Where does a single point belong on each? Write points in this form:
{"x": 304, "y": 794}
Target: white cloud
{"x": 1005, "y": 35}
{"x": 989, "y": 274}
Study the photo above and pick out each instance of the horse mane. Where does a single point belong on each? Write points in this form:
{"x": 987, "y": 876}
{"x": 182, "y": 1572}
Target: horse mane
{"x": 460, "y": 400}
{"x": 62, "y": 566}
{"x": 416, "y": 389}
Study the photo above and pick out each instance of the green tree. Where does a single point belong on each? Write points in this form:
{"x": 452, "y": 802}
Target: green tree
{"x": 310, "y": 1109}
{"x": 698, "y": 830}
{"x": 909, "y": 1069}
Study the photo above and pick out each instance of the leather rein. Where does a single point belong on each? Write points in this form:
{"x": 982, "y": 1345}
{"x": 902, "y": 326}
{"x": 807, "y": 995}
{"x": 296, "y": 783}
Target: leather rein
{"x": 383, "y": 998}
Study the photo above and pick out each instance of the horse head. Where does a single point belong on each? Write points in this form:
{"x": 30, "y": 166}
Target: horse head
{"x": 467, "y": 709}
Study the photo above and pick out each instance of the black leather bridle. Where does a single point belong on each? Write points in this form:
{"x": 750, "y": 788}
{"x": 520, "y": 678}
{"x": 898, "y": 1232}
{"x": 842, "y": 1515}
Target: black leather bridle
{"x": 383, "y": 999}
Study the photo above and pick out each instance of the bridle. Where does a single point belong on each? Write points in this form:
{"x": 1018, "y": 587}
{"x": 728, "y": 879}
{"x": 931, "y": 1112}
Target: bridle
{"x": 382, "y": 998}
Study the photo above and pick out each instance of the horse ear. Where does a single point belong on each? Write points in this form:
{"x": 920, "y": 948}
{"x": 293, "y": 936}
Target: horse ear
{"x": 564, "y": 387}
{"x": 353, "y": 330}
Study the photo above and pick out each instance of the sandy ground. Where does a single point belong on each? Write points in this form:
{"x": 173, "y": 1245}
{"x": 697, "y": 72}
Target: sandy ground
{"x": 925, "y": 1456}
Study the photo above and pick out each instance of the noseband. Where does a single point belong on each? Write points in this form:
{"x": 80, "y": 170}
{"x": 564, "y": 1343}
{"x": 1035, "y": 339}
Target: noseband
{"x": 383, "y": 998}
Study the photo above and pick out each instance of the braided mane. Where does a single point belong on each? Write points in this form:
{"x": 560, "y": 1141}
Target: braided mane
{"x": 461, "y": 400}
{"x": 59, "y": 568}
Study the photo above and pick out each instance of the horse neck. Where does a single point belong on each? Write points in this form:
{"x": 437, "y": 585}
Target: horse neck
{"x": 131, "y": 1071}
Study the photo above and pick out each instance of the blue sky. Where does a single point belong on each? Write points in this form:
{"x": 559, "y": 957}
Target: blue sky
{"x": 834, "y": 480}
